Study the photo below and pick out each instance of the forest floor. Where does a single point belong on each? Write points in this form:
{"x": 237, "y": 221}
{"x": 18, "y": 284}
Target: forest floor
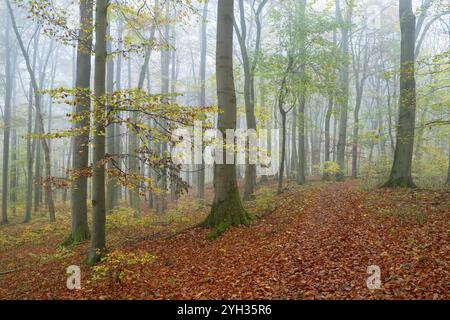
{"x": 311, "y": 242}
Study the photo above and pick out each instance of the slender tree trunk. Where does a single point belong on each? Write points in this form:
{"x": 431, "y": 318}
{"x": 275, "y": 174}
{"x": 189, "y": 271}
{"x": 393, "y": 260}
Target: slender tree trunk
{"x": 356, "y": 134}
{"x": 117, "y": 138}
{"x": 204, "y": 43}
{"x": 283, "y": 152}
{"x": 448, "y": 170}
{"x": 6, "y": 122}
{"x": 111, "y": 184}
{"x": 344, "y": 79}
{"x": 80, "y": 151}
{"x": 328, "y": 114}
{"x": 294, "y": 156}
{"x": 401, "y": 168}
{"x": 161, "y": 203}
{"x": 301, "y": 167}
{"x": 14, "y": 168}
{"x": 98, "y": 243}
{"x": 227, "y": 207}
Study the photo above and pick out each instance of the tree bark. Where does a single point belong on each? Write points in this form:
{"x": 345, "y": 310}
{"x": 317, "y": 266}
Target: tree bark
{"x": 98, "y": 243}
{"x": 111, "y": 184}
{"x": 80, "y": 151}
{"x": 344, "y": 79}
{"x": 227, "y": 207}
{"x": 201, "y": 167}
{"x": 328, "y": 114}
{"x": 301, "y": 167}
{"x": 400, "y": 175}
{"x": 6, "y": 122}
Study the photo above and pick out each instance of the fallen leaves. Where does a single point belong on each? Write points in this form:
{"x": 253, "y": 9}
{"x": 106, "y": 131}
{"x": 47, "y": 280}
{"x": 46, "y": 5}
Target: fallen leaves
{"x": 316, "y": 244}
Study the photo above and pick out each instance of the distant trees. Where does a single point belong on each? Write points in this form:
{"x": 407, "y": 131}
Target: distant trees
{"x": 227, "y": 207}
{"x": 250, "y": 59}
{"x": 39, "y": 118}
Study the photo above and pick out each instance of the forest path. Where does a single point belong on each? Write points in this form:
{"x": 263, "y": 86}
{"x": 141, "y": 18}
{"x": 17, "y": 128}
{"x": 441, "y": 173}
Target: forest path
{"x": 316, "y": 244}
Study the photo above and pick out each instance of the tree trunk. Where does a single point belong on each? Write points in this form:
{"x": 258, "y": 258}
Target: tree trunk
{"x": 294, "y": 156}
{"x": 448, "y": 170}
{"x": 227, "y": 207}
{"x": 161, "y": 201}
{"x": 356, "y": 134}
{"x": 111, "y": 184}
{"x": 344, "y": 79}
{"x": 14, "y": 167}
{"x": 98, "y": 243}
{"x": 401, "y": 168}
{"x": 301, "y": 167}
{"x": 80, "y": 151}
{"x": 328, "y": 114}
{"x": 283, "y": 152}
{"x": 204, "y": 43}
{"x": 6, "y": 122}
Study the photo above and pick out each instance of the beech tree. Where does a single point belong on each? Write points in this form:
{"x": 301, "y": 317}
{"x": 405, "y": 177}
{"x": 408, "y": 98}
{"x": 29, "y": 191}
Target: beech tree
{"x": 400, "y": 175}
{"x": 227, "y": 207}
{"x": 98, "y": 242}
{"x": 80, "y": 151}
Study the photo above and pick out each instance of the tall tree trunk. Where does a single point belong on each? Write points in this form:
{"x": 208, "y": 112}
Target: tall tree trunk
{"x": 401, "y": 168}
{"x": 117, "y": 138}
{"x": 111, "y": 185}
{"x": 227, "y": 207}
{"x": 161, "y": 202}
{"x": 80, "y": 151}
{"x": 328, "y": 114}
{"x": 344, "y": 80}
{"x": 283, "y": 152}
{"x": 98, "y": 243}
{"x": 173, "y": 86}
{"x": 301, "y": 167}
{"x": 356, "y": 134}
{"x": 30, "y": 146}
{"x": 6, "y": 122}
{"x": 294, "y": 156}
{"x": 204, "y": 43}
{"x": 14, "y": 167}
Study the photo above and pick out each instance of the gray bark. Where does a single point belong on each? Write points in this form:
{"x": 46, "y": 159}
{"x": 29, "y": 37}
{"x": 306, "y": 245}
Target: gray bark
{"x": 344, "y": 82}
{"x": 80, "y": 151}
{"x": 98, "y": 243}
{"x": 201, "y": 168}
{"x": 401, "y": 168}
{"x": 6, "y": 122}
{"x": 227, "y": 207}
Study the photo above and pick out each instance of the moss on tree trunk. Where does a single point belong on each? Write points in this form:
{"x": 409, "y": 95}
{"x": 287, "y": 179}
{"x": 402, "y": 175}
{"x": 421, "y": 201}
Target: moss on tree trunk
{"x": 225, "y": 213}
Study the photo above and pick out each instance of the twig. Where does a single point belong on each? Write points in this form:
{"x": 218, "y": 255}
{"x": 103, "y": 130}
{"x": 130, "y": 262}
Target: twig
{"x": 9, "y": 271}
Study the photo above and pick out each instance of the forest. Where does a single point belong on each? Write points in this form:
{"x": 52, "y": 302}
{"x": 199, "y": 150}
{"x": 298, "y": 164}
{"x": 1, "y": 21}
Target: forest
{"x": 225, "y": 149}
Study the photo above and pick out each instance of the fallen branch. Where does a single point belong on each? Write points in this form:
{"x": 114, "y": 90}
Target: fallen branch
{"x": 9, "y": 271}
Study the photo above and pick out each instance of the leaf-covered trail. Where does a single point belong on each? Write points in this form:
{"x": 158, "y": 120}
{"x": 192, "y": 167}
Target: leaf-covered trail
{"x": 316, "y": 245}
